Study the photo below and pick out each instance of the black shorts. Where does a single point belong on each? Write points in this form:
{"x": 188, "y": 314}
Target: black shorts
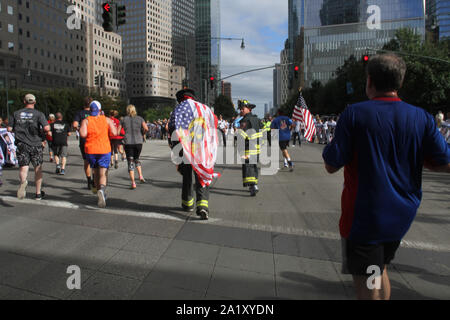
{"x": 357, "y": 258}
{"x": 284, "y": 145}
{"x": 115, "y": 143}
{"x": 133, "y": 151}
{"x": 27, "y": 154}
{"x": 83, "y": 153}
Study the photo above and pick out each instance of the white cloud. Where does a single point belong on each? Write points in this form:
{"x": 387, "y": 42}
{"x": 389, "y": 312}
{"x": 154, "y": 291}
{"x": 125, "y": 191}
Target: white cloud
{"x": 263, "y": 24}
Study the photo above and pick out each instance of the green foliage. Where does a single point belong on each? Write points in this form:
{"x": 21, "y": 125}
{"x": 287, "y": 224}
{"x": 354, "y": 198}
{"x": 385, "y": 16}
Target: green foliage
{"x": 66, "y": 101}
{"x": 158, "y": 113}
{"x": 427, "y": 81}
{"x": 224, "y": 106}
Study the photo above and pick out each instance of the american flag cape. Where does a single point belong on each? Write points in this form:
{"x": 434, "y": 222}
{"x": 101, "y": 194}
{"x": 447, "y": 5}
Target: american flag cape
{"x": 301, "y": 113}
{"x": 196, "y": 126}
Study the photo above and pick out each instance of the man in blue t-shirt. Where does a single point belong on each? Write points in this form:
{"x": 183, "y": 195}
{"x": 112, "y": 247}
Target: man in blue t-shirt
{"x": 284, "y": 125}
{"x": 383, "y": 143}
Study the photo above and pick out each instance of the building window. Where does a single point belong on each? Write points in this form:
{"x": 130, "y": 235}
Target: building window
{"x": 10, "y": 10}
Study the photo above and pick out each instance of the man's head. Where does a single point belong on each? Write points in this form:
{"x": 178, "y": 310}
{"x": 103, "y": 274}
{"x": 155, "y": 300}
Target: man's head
{"x": 185, "y": 94}
{"x": 87, "y": 102}
{"x": 29, "y": 100}
{"x": 385, "y": 73}
{"x": 51, "y": 117}
{"x": 59, "y": 116}
{"x": 280, "y": 112}
{"x": 95, "y": 108}
{"x": 245, "y": 107}
{"x": 111, "y": 113}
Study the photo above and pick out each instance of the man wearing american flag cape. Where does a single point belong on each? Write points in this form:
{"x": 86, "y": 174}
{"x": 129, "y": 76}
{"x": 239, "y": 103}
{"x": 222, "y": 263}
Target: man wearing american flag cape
{"x": 193, "y": 130}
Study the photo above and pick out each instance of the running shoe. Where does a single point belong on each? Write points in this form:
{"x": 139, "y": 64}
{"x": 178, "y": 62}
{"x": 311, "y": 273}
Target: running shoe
{"x": 62, "y": 172}
{"x": 22, "y": 192}
{"x": 40, "y": 196}
{"x": 133, "y": 186}
{"x": 142, "y": 180}
{"x": 101, "y": 199}
{"x": 253, "y": 191}
{"x": 58, "y": 170}
{"x": 116, "y": 165}
{"x": 188, "y": 209}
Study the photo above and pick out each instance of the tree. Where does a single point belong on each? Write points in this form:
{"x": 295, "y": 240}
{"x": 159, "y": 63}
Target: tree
{"x": 224, "y": 106}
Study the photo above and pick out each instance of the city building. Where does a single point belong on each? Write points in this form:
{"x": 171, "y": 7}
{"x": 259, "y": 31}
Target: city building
{"x": 295, "y": 43}
{"x": 336, "y": 29}
{"x": 277, "y": 87}
{"x": 37, "y": 49}
{"x": 183, "y": 40}
{"x": 104, "y": 51}
{"x": 226, "y": 89}
{"x": 438, "y": 18}
{"x": 207, "y": 34}
{"x": 148, "y": 55}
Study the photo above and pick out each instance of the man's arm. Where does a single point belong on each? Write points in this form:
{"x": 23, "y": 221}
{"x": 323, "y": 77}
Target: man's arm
{"x": 83, "y": 128}
{"x": 331, "y": 169}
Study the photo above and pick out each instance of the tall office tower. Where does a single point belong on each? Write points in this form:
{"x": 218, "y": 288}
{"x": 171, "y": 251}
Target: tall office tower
{"x": 438, "y": 18}
{"x": 336, "y": 29}
{"x": 37, "y": 49}
{"x": 295, "y": 43}
{"x": 207, "y": 30}
{"x": 286, "y": 78}
{"x": 226, "y": 89}
{"x": 276, "y": 87}
{"x": 104, "y": 51}
{"x": 183, "y": 36}
{"x": 147, "y": 52}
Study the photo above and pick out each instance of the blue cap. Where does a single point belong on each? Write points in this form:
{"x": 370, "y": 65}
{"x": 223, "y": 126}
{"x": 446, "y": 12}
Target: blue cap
{"x": 95, "y": 107}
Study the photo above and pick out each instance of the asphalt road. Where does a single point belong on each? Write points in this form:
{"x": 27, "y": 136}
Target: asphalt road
{"x": 283, "y": 244}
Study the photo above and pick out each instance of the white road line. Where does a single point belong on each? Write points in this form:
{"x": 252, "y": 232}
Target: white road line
{"x": 219, "y": 222}
{"x": 69, "y": 205}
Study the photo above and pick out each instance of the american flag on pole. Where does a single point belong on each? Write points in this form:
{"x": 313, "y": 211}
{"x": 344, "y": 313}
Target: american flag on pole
{"x": 301, "y": 113}
{"x": 196, "y": 126}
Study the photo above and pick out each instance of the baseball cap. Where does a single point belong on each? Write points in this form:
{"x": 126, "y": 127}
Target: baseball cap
{"x": 95, "y": 107}
{"x": 29, "y": 98}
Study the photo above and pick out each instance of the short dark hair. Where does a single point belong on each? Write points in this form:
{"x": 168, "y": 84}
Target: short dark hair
{"x": 87, "y": 102}
{"x": 387, "y": 72}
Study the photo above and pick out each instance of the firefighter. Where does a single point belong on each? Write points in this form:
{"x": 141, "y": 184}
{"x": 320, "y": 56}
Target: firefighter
{"x": 185, "y": 169}
{"x": 250, "y": 134}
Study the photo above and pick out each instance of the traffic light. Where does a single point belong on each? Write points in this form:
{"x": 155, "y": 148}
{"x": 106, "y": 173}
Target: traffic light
{"x": 97, "y": 80}
{"x": 365, "y": 60}
{"x": 121, "y": 14}
{"x": 102, "y": 81}
{"x": 211, "y": 82}
{"x": 108, "y": 18}
{"x": 296, "y": 69}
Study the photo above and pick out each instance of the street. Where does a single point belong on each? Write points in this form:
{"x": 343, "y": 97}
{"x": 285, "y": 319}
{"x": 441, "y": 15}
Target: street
{"x": 283, "y": 244}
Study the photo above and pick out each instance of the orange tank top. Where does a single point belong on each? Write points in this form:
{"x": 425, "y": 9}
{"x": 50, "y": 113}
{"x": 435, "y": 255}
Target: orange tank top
{"x": 97, "y": 141}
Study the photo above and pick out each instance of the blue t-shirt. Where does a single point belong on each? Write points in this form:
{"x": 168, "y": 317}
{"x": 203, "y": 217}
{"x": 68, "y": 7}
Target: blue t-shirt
{"x": 383, "y": 144}
{"x": 283, "y": 124}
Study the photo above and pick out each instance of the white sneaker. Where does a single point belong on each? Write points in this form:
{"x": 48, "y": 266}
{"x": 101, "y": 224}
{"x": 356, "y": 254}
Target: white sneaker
{"x": 101, "y": 199}
{"x": 22, "y": 192}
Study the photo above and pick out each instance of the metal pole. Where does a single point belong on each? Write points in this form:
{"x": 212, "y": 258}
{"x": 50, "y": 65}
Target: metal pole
{"x": 7, "y": 97}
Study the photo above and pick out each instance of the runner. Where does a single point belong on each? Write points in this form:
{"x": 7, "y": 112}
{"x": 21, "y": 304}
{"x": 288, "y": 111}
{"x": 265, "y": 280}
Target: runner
{"x": 49, "y": 139}
{"x": 27, "y": 125}
{"x": 95, "y": 129}
{"x": 135, "y": 128}
{"x": 284, "y": 125}
{"x": 116, "y": 141}
{"x": 79, "y": 117}
{"x": 60, "y": 133}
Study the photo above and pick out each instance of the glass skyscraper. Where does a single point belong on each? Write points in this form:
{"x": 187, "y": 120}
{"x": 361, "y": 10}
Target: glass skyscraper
{"x": 438, "y": 18}
{"x": 337, "y": 29}
{"x": 296, "y": 22}
{"x": 207, "y": 32}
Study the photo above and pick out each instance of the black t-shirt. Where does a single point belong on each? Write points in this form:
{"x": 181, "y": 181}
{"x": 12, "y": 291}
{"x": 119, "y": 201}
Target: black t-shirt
{"x": 28, "y": 126}
{"x": 60, "y": 132}
{"x": 79, "y": 117}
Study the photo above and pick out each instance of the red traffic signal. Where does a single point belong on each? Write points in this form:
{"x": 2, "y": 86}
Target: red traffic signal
{"x": 212, "y": 78}
{"x": 296, "y": 68}
{"x": 366, "y": 58}
{"x": 106, "y": 6}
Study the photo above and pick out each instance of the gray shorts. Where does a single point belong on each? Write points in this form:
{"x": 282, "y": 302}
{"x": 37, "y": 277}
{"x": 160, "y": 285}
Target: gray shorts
{"x": 60, "y": 151}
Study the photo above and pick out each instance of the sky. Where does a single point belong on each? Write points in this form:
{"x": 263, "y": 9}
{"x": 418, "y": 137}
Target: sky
{"x": 264, "y": 26}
